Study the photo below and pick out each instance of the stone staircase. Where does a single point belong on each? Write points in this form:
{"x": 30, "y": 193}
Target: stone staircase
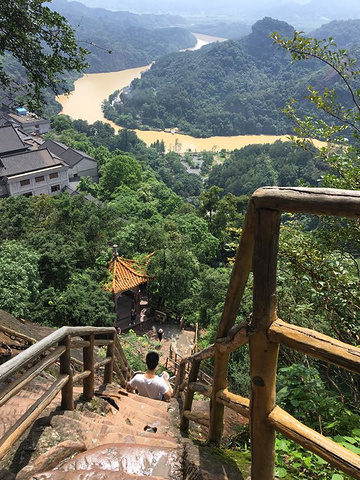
{"x": 126, "y": 437}
{"x": 118, "y": 435}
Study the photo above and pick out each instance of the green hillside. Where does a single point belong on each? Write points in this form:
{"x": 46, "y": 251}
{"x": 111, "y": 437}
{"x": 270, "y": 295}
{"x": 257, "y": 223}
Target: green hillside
{"x": 229, "y": 88}
{"x": 133, "y": 40}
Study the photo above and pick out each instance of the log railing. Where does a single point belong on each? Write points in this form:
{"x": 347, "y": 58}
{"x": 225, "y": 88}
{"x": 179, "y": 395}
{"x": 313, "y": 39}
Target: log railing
{"x": 175, "y": 361}
{"x": 265, "y": 332}
{"x": 57, "y": 349}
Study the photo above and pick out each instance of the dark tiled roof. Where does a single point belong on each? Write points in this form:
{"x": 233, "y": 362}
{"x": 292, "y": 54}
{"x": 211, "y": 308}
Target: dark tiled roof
{"x": 27, "y": 162}
{"x": 69, "y": 155}
{"x": 72, "y": 157}
{"x": 4, "y": 121}
{"x": 85, "y": 196}
{"x": 10, "y": 140}
{"x": 55, "y": 147}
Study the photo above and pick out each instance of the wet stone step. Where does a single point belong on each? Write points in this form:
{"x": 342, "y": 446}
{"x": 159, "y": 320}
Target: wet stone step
{"x": 137, "y": 461}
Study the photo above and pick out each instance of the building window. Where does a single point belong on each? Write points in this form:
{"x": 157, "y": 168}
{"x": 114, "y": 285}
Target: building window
{"x": 55, "y": 188}
{"x": 23, "y": 183}
{"x": 39, "y": 179}
{"x": 27, "y": 194}
{"x": 54, "y": 175}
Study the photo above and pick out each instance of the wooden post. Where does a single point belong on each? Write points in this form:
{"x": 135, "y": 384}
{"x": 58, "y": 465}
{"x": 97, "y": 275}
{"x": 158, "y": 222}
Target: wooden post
{"x": 239, "y": 277}
{"x": 217, "y": 409}
{"x": 109, "y": 367}
{"x": 184, "y": 423}
{"x": 263, "y": 353}
{"x": 88, "y": 357}
{"x": 124, "y": 365}
{"x": 179, "y": 379}
{"x": 67, "y": 394}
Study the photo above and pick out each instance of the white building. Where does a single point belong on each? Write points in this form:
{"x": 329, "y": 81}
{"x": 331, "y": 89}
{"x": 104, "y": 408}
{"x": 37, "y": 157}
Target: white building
{"x": 32, "y": 172}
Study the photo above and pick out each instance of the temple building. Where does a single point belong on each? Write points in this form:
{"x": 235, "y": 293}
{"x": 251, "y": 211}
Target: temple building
{"x": 129, "y": 280}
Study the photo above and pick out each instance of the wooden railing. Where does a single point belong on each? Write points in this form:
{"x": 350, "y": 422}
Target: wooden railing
{"x": 265, "y": 332}
{"x": 57, "y": 349}
{"x": 175, "y": 361}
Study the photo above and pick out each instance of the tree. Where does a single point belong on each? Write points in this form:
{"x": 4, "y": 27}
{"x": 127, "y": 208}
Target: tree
{"x": 209, "y": 200}
{"x": 82, "y": 303}
{"x": 120, "y": 170}
{"x": 339, "y": 127}
{"x": 175, "y": 273}
{"x": 44, "y": 44}
{"x": 19, "y": 280}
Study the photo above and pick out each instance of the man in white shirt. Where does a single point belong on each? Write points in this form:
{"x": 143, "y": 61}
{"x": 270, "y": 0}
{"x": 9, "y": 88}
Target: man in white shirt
{"x": 149, "y": 384}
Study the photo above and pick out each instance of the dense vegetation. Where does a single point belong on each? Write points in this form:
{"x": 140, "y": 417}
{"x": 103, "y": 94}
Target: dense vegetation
{"x": 277, "y": 164}
{"x": 120, "y": 40}
{"x": 228, "y": 88}
{"x": 54, "y": 250}
{"x": 43, "y": 43}
{"x": 221, "y": 29}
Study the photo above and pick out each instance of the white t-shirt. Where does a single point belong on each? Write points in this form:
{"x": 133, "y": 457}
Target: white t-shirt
{"x": 149, "y": 387}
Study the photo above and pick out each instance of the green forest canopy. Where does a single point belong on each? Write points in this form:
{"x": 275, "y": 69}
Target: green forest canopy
{"x": 318, "y": 281}
{"x": 192, "y": 263}
{"x": 228, "y": 88}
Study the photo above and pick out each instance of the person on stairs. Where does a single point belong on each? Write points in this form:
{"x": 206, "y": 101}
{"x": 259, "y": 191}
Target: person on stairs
{"x": 149, "y": 384}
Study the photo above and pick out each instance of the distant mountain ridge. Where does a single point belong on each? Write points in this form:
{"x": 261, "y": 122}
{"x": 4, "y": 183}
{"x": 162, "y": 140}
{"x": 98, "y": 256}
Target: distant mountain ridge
{"x": 303, "y": 15}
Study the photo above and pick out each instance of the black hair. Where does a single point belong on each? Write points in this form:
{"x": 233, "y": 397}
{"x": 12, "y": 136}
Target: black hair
{"x": 152, "y": 360}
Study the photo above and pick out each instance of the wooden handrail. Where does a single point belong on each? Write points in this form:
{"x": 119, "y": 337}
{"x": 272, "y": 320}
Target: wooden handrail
{"x": 314, "y": 201}
{"x": 11, "y": 366}
{"x": 29, "y": 417}
{"x": 20, "y": 382}
{"x": 12, "y": 333}
{"x": 57, "y": 346}
{"x": 337, "y": 455}
{"x": 265, "y": 332}
{"x": 316, "y": 344}
{"x": 234, "y": 402}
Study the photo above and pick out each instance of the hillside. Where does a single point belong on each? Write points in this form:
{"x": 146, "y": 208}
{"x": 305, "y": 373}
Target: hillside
{"x": 278, "y": 164}
{"x": 120, "y": 40}
{"x": 229, "y": 88}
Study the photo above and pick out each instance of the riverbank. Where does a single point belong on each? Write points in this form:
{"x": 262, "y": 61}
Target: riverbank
{"x": 91, "y": 90}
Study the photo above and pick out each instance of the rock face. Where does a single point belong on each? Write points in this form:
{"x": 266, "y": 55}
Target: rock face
{"x": 51, "y": 459}
{"x": 136, "y": 460}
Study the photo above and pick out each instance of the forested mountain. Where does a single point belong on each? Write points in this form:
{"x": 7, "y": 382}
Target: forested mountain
{"x": 228, "y": 88}
{"x": 120, "y": 40}
{"x": 346, "y": 33}
{"x": 226, "y": 30}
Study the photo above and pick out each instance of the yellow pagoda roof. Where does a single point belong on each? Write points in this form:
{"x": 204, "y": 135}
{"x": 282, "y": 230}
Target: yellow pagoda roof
{"x": 126, "y": 274}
